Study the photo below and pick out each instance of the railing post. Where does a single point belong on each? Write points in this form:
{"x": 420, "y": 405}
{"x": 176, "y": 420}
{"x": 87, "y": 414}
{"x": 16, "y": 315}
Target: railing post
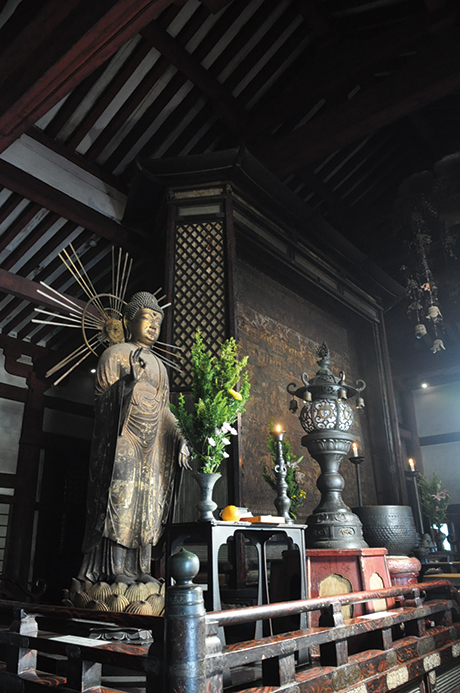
{"x": 185, "y": 628}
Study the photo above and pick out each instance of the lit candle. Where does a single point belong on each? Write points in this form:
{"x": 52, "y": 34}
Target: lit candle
{"x": 354, "y": 447}
{"x": 411, "y": 464}
{"x": 278, "y": 433}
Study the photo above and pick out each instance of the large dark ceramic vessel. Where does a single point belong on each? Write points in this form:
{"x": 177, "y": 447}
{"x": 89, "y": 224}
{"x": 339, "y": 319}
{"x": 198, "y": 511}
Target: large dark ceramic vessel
{"x": 390, "y": 526}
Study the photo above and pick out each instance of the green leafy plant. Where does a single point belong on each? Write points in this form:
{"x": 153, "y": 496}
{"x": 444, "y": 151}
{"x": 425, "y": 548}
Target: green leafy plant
{"x": 434, "y": 499}
{"x": 294, "y": 477}
{"x": 216, "y": 402}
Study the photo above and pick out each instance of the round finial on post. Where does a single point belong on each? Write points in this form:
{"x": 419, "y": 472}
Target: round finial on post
{"x": 184, "y": 566}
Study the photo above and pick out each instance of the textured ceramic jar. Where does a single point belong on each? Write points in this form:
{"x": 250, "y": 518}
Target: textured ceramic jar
{"x": 390, "y": 526}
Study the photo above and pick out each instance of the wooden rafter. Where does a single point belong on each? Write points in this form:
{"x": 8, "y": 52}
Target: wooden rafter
{"x": 28, "y": 102}
{"x": 223, "y": 103}
{"x": 331, "y": 74}
{"x": 69, "y": 208}
{"x": 27, "y": 290}
{"x": 77, "y": 159}
{"x": 427, "y": 77}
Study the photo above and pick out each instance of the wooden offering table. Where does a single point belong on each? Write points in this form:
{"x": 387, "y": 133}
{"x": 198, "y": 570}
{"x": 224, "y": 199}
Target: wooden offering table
{"x": 216, "y": 533}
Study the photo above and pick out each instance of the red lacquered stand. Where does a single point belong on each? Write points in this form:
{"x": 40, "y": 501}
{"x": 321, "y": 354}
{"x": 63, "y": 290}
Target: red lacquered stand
{"x": 339, "y": 571}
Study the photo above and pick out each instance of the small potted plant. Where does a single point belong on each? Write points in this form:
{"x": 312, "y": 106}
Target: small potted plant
{"x": 220, "y": 390}
{"x": 434, "y": 500}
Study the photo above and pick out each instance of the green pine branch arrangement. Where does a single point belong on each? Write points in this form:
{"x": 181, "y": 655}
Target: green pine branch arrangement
{"x": 294, "y": 477}
{"x": 434, "y": 499}
{"x": 220, "y": 390}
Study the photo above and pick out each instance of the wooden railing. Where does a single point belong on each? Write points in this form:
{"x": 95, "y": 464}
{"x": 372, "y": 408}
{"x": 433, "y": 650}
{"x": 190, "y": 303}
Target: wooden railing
{"x": 188, "y": 653}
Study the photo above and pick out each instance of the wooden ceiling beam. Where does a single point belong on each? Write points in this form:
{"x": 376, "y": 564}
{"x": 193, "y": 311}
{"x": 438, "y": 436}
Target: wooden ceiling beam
{"x": 167, "y": 93}
{"x": 227, "y": 108}
{"x": 332, "y": 73}
{"x": 24, "y": 218}
{"x": 27, "y": 290}
{"x": 58, "y": 241}
{"x": 69, "y": 208}
{"x": 318, "y": 20}
{"x": 63, "y": 151}
{"x": 31, "y": 239}
{"x": 427, "y": 77}
{"x": 24, "y": 44}
{"x": 9, "y": 206}
{"x": 123, "y": 20}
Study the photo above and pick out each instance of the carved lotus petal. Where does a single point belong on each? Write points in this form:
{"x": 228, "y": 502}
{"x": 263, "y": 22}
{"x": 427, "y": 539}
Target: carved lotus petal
{"x": 153, "y": 587}
{"x": 97, "y": 605}
{"x": 101, "y": 591}
{"x": 137, "y": 592}
{"x": 141, "y": 608}
{"x": 75, "y": 586}
{"x": 117, "y": 602}
{"x": 157, "y": 602}
{"x": 67, "y": 603}
{"x": 80, "y": 600}
{"x": 119, "y": 588}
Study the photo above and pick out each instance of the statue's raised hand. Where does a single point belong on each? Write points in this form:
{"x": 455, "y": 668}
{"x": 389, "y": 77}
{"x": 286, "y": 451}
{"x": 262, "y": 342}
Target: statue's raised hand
{"x": 137, "y": 364}
{"x": 184, "y": 457}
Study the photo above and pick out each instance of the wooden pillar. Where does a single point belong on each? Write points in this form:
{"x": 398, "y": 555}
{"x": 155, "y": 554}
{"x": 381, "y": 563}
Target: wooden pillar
{"x": 21, "y": 523}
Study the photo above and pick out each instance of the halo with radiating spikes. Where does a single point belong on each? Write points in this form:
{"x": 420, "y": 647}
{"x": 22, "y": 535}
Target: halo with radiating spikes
{"x": 102, "y": 314}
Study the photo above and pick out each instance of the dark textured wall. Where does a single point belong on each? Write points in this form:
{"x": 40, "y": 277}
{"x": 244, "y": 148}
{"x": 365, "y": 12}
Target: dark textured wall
{"x": 280, "y": 331}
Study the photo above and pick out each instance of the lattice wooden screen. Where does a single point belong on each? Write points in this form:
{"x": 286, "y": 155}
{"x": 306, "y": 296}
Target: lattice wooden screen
{"x": 199, "y": 290}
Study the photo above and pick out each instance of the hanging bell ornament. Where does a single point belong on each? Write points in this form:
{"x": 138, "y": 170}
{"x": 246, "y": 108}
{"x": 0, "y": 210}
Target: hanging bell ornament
{"x": 293, "y": 406}
{"x": 438, "y": 344}
{"x": 307, "y": 396}
{"x": 434, "y": 314}
{"x": 420, "y": 330}
{"x": 342, "y": 393}
{"x": 360, "y": 403}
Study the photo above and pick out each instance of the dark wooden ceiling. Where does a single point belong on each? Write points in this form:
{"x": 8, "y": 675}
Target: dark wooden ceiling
{"x": 341, "y": 99}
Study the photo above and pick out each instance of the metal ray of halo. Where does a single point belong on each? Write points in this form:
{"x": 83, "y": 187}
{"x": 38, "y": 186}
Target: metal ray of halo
{"x": 165, "y": 351}
{"x": 166, "y": 361}
{"x": 73, "y": 318}
{"x": 171, "y": 346}
{"x": 68, "y": 359}
{"x": 73, "y": 305}
{"x": 79, "y": 273}
{"x": 85, "y": 356}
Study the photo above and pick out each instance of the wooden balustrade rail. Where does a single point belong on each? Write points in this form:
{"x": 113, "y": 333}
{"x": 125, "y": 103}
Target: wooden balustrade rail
{"x": 187, "y": 655}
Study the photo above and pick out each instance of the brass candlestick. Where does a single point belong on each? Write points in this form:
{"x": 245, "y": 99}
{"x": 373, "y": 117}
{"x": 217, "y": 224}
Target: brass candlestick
{"x": 357, "y": 460}
{"x": 282, "y": 500}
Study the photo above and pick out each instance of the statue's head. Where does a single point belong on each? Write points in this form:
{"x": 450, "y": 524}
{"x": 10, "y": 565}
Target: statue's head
{"x": 143, "y": 317}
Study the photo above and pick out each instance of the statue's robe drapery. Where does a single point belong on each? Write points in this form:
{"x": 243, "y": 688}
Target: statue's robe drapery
{"x": 133, "y": 458}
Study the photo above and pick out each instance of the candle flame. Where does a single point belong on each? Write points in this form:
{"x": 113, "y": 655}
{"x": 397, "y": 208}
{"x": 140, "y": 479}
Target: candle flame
{"x": 411, "y": 464}
{"x": 354, "y": 447}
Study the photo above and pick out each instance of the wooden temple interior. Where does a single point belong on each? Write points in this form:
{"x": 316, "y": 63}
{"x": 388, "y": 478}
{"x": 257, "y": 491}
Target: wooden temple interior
{"x": 265, "y": 163}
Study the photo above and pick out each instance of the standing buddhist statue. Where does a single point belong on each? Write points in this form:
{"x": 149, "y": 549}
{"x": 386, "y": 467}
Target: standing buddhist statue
{"x": 135, "y": 451}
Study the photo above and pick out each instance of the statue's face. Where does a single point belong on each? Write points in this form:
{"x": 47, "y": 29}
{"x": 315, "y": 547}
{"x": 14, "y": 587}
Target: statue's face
{"x": 145, "y": 326}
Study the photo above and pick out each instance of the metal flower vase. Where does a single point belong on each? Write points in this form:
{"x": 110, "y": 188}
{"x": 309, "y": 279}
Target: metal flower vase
{"x": 327, "y": 417}
{"x": 206, "y": 505}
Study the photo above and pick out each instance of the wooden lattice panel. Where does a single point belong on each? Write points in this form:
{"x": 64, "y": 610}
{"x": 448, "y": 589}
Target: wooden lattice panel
{"x": 199, "y": 290}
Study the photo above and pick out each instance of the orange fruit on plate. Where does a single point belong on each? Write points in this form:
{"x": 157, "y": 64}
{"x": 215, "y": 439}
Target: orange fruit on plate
{"x": 230, "y": 514}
